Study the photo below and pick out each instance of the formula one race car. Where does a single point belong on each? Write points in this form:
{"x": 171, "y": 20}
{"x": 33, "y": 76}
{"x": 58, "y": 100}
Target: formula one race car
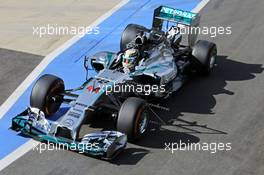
{"x": 153, "y": 58}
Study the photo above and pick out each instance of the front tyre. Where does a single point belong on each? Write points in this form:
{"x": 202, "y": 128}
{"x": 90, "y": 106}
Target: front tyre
{"x": 133, "y": 118}
{"x": 204, "y": 54}
{"x": 46, "y": 94}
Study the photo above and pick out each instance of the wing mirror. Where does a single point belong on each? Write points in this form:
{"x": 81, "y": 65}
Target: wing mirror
{"x": 86, "y": 65}
{"x": 86, "y": 62}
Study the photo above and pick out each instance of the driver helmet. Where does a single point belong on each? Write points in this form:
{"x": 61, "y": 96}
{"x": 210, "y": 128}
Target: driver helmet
{"x": 129, "y": 58}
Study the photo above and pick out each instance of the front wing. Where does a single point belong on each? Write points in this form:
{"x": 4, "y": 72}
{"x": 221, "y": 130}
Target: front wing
{"x": 102, "y": 144}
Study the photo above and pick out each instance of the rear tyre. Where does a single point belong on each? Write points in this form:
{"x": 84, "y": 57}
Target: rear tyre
{"x": 130, "y": 33}
{"x": 204, "y": 54}
{"x": 46, "y": 94}
{"x": 133, "y": 118}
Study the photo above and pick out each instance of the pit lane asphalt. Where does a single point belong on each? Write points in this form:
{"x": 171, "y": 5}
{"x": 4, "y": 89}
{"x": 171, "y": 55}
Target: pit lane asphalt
{"x": 14, "y": 68}
{"x": 225, "y": 107}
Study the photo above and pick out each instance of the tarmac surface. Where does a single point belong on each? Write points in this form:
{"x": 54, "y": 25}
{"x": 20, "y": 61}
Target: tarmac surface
{"x": 14, "y": 68}
{"x": 20, "y": 20}
{"x": 226, "y": 107}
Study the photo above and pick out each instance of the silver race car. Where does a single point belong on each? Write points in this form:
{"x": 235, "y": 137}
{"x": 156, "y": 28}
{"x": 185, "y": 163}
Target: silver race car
{"x": 152, "y": 63}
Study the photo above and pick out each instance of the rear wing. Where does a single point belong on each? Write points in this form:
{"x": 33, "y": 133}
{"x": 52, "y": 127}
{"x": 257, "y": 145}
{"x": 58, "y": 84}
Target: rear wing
{"x": 164, "y": 13}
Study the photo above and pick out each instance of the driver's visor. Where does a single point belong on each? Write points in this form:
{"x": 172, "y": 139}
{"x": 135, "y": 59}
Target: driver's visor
{"x": 128, "y": 60}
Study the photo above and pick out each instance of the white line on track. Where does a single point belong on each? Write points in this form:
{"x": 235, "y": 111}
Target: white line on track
{"x": 20, "y": 151}
{"x": 29, "y": 145}
{"x": 200, "y": 6}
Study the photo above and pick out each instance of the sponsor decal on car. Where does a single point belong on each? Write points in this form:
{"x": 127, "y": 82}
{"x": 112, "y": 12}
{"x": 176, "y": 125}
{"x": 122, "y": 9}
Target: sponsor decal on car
{"x": 93, "y": 89}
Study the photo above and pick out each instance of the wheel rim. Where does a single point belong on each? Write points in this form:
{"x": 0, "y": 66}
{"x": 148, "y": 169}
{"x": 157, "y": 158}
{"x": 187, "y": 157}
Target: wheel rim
{"x": 143, "y": 123}
{"x": 212, "y": 59}
{"x": 52, "y": 106}
{"x": 212, "y": 62}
